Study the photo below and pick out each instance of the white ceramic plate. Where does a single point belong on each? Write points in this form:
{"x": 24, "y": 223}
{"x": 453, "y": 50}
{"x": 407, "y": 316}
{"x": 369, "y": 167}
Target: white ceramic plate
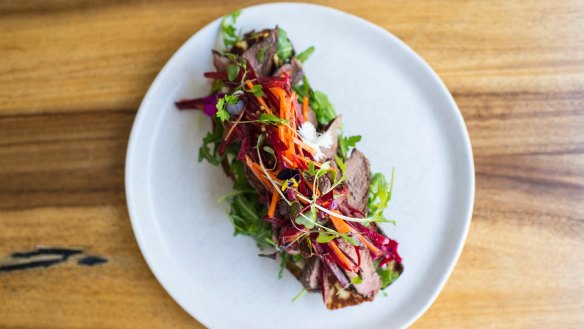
{"x": 386, "y": 93}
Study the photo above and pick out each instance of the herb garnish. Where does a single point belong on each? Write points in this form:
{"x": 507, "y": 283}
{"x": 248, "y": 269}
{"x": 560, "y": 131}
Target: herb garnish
{"x": 379, "y": 194}
{"x": 262, "y": 54}
{"x": 303, "y": 56}
{"x": 319, "y": 102}
{"x": 269, "y": 118}
{"x": 228, "y": 30}
{"x": 222, "y": 103}
{"x": 214, "y": 138}
{"x": 232, "y": 71}
{"x": 386, "y": 274}
{"x": 284, "y": 46}
{"x": 345, "y": 143}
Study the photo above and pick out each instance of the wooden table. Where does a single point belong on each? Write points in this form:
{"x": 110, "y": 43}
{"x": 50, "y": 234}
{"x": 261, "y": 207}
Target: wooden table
{"x": 73, "y": 74}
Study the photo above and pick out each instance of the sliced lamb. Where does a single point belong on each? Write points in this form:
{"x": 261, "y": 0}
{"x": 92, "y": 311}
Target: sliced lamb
{"x": 293, "y": 69}
{"x": 371, "y": 282}
{"x": 220, "y": 62}
{"x": 311, "y": 274}
{"x": 263, "y": 65}
{"x": 333, "y": 127}
{"x": 358, "y": 179}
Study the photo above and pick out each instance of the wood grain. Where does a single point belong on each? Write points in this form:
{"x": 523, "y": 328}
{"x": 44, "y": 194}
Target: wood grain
{"x": 73, "y": 74}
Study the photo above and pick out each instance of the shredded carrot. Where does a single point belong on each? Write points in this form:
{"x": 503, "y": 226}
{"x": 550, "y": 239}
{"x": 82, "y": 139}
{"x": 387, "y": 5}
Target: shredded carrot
{"x": 283, "y": 110}
{"x": 293, "y": 111}
{"x": 292, "y": 123}
{"x": 291, "y": 147}
{"x": 303, "y": 145}
{"x": 307, "y": 161}
{"x": 279, "y": 93}
{"x": 260, "y": 100}
{"x": 340, "y": 224}
{"x": 368, "y": 244}
{"x": 258, "y": 173}
{"x": 341, "y": 255}
{"x": 258, "y": 168}
{"x": 273, "y": 203}
{"x": 305, "y": 108}
{"x": 288, "y": 161}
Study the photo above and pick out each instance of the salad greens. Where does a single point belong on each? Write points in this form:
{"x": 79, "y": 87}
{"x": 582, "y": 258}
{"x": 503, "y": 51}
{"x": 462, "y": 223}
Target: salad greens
{"x": 228, "y": 30}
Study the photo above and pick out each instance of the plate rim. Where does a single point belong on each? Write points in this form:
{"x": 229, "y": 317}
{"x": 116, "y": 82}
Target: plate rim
{"x": 140, "y": 117}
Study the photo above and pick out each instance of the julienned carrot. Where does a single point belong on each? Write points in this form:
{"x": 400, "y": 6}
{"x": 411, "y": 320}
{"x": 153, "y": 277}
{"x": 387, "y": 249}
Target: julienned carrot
{"x": 292, "y": 119}
{"x": 279, "y": 93}
{"x": 258, "y": 173}
{"x": 340, "y": 225}
{"x": 273, "y": 203}
{"x": 283, "y": 109}
{"x": 307, "y": 161}
{"x": 345, "y": 262}
{"x": 303, "y": 145}
{"x": 293, "y": 111}
{"x": 369, "y": 245}
{"x": 305, "y": 108}
{"x": 259, "y": 169}
{"x": 288, "y": 161}
{"x": 260, "y": 100}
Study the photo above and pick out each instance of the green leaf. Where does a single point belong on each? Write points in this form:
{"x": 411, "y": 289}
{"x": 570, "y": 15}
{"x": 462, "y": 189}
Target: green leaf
{"x": 351, "y": 141}
{"x": 323, "y": 170}
{"x": 345, "y": 143}
{"x": 284, "y": 46}
{"x": 322, "y": 107}
{"x": 220, "y": 104}
{"x": 247, "y": 214}
{"x": 340, "y": 163}
{"x": 349, "y": 239}
{"x": 324, "y": 237}
{"x": 262, "y": 54}
{"x": 307, "y": 219}
{"x": 269, "y": 150}
{"x": 357, "y": 280}
{"x": 319, "y": 102}
{"x": 303, "y": 56}
{"x": 228, "y": 30}
{"x": 334, "y": 176}
{"x": 217, "y": 85}
{"x": 387, "y": 276}
{"x": 232, "y": 57}
{"x": 295, "y": 208}
{"x": 297, "y": 258}
{"x": 240, "y": 181}
{"x": 311, "y": 169}
{"x": 231, "y": 99}
{"x": 232, "y": 71}
{"x": 379, "y": 196}
{"x": 257, "y": 91}
{"x": 269, "y": 118}
{"x": 213, "y": 138}
{"x": 223, "y": 115}
{"x": 283, "y": 261}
